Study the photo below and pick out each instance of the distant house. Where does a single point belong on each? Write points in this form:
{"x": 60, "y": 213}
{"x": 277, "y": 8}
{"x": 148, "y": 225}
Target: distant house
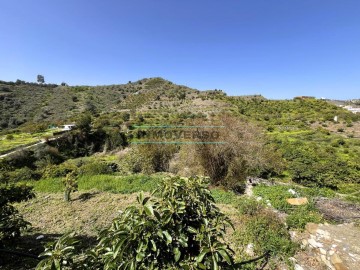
{"x": 67, "y": 127}
{"x": 352, "y": 109}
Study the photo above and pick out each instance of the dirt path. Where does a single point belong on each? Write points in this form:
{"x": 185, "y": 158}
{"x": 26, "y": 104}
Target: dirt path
{"x": 19, "y": 148}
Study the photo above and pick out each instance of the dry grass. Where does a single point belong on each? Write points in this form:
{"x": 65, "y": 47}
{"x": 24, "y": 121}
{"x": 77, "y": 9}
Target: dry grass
{"x": 87, "y": 213}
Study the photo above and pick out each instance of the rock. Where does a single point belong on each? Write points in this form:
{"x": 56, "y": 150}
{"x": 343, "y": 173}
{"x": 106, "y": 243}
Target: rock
{"x": 315, "y": 244}
{"x": 292, "y": 234}
{"x": 340, "y": 266}
{"x": 298, "y": 267}
{"x": 335, "y": 259}
{"x": 311, "y": 227}
{"x": 250, "y": 249}
{"x": 323, "y": 233}
{"x": 322, "y": 251}
{"x": 304, "y": 243}
{"x": 297, "y": 201}
{"x": 39, "y": 237}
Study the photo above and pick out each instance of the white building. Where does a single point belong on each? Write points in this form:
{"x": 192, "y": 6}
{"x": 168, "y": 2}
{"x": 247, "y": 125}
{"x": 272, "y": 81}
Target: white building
{"x": 352, "y": 109}
{"x": 67, "y": 127}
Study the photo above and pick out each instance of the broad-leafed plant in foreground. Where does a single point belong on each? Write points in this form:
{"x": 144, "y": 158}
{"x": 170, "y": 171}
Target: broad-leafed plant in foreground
{"x": 59, "y": 254}
{"x": 181, "y": 229}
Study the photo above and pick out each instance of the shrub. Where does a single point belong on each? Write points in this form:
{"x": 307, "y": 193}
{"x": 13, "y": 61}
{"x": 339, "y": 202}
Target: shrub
{"x": 9, "y": 137}
{"x": 114, "y": 139}
{"x": 22, "y": 174}
{"x": 264, "y": 231}
{"x": 47, "y": 155}
{"x": 11, "y": 222}
{"x": 84, "y": 122}
{"x": 248, "y": 206}
{"x": 71, "y": 184}
{"x": 59, "y": 254}
{"x": 148, "y": 158}
{"x": 21, "y": 159}
{"x": 182, "y": 229}
{"x": 94, "y": 168}
{"x": 229, "y": 164}
{"x": 61, "y": 170}
{"x": 302, "y": 215}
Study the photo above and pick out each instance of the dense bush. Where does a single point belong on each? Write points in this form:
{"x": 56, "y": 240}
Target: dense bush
{"x": 314, "y": 159}
{"x": 11, "y": 222}
{"x": 147, "y": 158}
{"x": 96, "y": 167}
{"x": 114, "y": 139}
{"x": 46, "y": 155}
{"x": 23, "y": 174}
{"x": 61, "y": 170}
{"x": 243, "y": 153}
{"x": 182, "y": 229}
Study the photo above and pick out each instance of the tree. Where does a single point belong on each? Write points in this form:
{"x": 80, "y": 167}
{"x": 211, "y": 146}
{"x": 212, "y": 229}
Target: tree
{"x": 243, "y": 152}
{"x": 11, "y": 222}
{"x": 40, "y": 79}
{"x": 84, "y": 122}
{"x": 71, "y": 184}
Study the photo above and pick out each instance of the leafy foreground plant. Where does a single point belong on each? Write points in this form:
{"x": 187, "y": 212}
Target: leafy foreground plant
{"x": 180, "y": 228}
{"x": 59, "y": 254}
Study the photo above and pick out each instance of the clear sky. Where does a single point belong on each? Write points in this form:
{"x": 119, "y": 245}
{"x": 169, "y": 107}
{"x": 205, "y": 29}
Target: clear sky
{"x": 278, "y": 48}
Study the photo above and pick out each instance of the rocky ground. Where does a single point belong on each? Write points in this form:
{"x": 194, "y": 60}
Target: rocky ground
{"x": 334, "y": 245}
{"x": 329, "y": 246}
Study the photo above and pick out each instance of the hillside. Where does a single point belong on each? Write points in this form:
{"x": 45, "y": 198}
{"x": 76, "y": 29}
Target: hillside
{"x": 156, "y": 100}
{"x": 23, "y": 103}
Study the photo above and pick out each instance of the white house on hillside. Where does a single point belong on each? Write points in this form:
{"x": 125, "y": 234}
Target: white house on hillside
{"x": 67, "y": 127}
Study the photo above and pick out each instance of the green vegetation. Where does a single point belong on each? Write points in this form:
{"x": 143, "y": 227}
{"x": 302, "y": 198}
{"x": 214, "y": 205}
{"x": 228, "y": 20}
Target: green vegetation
{"x": 262, "y": 232}
{"x": 298, "y": 216}
{"x": 11, "y": 222}
{"x": 14, "y": 140}
{"x": 223, "y": 196}
{"x": 70, "y": 183}
{"x": 317, "y": 159}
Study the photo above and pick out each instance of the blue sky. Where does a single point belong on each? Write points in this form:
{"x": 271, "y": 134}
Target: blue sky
{"x": 278, "y": 48}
